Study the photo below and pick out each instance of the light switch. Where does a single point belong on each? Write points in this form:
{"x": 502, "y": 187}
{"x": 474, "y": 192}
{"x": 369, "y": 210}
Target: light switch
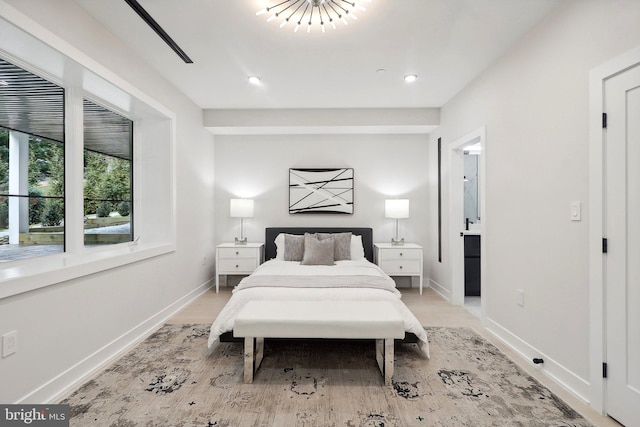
{"x": 576, "y": 211}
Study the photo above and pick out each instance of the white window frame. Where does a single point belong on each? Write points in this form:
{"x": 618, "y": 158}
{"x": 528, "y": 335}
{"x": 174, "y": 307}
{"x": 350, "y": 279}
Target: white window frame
{"x": 154, "y": 176}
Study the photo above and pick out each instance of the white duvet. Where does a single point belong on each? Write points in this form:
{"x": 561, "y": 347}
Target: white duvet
{"x": 311, "y": 282}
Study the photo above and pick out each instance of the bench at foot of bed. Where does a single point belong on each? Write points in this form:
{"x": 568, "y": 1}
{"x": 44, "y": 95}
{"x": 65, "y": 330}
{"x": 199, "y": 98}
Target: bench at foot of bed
{"x": 377, "y": 320}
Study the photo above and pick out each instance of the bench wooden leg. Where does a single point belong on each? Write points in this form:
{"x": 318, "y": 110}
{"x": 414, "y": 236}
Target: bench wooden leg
{"x": 388, "y": 360}
{"x": 248, "y": 360}
{"x": 253, "y": 354}
{"x": 384, "y": 357}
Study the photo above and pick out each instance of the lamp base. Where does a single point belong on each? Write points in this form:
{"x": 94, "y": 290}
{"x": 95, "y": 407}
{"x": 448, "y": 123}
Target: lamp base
{"x": 397, "y": 242}
{"x": 241, "y": 241}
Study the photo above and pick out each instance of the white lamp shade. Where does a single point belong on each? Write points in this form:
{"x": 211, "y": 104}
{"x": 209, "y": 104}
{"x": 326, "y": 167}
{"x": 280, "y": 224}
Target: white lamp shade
{"x": 241, "y": 208}
{"x": 396, "y": 208}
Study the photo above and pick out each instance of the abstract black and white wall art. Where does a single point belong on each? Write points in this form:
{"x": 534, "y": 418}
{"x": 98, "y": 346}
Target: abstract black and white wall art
{"x": 321, "y": 191}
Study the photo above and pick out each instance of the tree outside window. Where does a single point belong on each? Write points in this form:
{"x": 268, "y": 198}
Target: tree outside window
{"x": 107, "y": 176}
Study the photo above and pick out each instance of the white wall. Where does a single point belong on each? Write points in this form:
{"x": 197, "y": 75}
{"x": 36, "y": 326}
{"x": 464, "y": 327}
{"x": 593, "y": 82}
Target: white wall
{"x": 385, "y": 166}
{"x": 534, "y": 104}
{"x": 60, "y": 326}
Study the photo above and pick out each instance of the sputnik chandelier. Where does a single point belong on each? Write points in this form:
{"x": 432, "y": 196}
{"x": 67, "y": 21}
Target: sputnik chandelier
{"x": 313, "y": 12}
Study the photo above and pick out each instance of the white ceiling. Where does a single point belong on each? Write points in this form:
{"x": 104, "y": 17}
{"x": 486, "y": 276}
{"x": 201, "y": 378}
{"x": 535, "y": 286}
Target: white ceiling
{"x": 447, "y": 43}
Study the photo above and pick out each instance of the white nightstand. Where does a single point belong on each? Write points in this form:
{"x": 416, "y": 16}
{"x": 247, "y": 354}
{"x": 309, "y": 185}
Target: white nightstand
{"x": 405, "y": 260}
{"x": 237, "y": 259}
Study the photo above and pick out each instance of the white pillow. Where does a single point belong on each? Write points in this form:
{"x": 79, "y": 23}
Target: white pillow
{"x": 357, "y": 249}
{"x": 279, "y": 241}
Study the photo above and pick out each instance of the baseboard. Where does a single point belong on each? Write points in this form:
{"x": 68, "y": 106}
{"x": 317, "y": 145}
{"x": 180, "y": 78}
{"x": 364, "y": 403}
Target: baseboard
{"x": 55, "y": 389}
{"x": 440, "y": 290}
{"x": 564, "y": 377}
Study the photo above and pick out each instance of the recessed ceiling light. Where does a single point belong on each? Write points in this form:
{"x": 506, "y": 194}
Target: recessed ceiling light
{"x": 3, "y": 83}
{"x": 410, "y": 78}
{"x": 254, "y": 80}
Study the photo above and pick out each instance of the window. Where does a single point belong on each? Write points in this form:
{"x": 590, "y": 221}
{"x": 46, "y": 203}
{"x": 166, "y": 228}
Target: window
{"x": 108, "y": 168}
{"x": 88, "y": 123}
{"x": 32, "y": 176}
{"x": 31, "y": 165}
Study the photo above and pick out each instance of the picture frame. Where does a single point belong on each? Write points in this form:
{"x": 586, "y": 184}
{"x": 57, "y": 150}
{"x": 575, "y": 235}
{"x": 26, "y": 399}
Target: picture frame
{"x": 321, "y": 191}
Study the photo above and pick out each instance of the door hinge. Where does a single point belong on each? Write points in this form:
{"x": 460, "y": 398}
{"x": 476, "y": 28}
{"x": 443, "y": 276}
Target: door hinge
{"x": 604, "y": 120}
{"x": 604, "y": 369}
{"x": 605, "y": 245}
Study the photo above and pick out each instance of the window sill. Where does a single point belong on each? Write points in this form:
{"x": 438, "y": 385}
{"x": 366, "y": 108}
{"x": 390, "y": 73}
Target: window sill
{"x": 46, "y": 271}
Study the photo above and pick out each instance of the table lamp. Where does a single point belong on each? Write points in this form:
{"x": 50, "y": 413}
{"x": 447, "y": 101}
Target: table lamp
{"x": 396, "y": 209}
{"x": 241, "y": 208}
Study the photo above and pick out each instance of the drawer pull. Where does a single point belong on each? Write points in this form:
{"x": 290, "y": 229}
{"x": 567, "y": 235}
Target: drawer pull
{"x": 400, "y": 267}
{"x": 401, "y": 254}
{"x": 239, "y": 266}
{"x": 237, "y": 253}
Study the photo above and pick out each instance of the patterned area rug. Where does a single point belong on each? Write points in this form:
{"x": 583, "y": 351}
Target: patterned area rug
{"x": 172, "y": 380}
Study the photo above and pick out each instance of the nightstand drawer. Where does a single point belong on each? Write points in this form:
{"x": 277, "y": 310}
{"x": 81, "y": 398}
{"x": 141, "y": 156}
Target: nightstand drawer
{"x": 401, "y": 266}
{"x": 237, "y": 252}
{"x": 402, "y": 253}
{"x": 239, "y": 264}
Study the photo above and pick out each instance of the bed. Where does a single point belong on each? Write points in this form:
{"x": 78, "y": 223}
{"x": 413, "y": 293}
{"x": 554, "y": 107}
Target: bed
{"x": 352, "y": 276}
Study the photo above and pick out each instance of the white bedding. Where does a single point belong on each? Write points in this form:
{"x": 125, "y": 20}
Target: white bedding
{"x": 352, "y": 288}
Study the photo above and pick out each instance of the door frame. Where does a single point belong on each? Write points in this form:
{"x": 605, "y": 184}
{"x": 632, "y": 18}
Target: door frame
{"x": 597, "y": 294}
{"x": 456, "y": 213}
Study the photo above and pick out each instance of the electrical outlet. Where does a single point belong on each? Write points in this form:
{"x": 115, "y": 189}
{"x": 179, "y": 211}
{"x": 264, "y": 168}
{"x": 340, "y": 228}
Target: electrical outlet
{"x": 520, "y": 297}
{"x": 9, "y": 343}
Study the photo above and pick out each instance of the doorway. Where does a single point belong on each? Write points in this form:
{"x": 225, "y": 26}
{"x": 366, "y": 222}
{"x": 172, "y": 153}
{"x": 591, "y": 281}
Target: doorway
{"x": 461, "y": 229}
{"x": 622, "y": 230}
{"x": 615, "y": 237}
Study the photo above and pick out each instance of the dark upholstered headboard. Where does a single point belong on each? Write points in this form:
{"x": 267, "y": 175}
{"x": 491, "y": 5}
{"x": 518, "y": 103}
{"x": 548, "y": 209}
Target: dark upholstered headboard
{"x": 272, "y": 232}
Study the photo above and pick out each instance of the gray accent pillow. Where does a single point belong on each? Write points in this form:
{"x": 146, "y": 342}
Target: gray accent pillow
{"x": 342, "y": 247}
{"x": 317, "y": 252}
{"x": 293, "y": 247}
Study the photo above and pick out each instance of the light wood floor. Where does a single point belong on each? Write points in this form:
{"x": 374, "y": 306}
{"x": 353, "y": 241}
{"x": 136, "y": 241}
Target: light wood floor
{"x": 431, "y": 310}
